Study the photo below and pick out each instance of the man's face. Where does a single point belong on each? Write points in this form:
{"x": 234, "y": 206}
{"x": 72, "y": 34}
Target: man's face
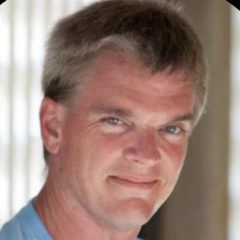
{"x": 124, "y": 143}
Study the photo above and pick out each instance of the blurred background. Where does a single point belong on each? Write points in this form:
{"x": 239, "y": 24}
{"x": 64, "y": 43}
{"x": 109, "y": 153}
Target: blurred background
{"x": 206, "y": 202}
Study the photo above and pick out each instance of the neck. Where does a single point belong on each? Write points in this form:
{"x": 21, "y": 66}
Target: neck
{"x": 65, "y": 220}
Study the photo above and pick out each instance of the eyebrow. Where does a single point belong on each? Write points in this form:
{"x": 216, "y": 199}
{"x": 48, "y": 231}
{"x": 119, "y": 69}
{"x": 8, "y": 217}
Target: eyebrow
{"x": 111, "y": 110}
{"x": 184, "y": 117}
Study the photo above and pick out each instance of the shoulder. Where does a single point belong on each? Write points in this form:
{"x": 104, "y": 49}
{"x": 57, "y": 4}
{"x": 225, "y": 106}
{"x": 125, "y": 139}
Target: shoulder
{"x": 26, "y": 225}
{"x": 11, "y": 230}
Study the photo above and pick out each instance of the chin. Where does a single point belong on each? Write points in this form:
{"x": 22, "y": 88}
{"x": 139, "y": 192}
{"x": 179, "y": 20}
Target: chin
{"x": 133, "y": 214}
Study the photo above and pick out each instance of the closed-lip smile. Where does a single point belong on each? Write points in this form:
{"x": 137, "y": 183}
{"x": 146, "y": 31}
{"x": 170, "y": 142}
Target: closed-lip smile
{"x": 134, "y": 182}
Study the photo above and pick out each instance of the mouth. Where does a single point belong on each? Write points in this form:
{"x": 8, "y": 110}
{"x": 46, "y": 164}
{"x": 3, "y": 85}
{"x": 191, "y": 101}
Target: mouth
{"x": 134, "y": 182}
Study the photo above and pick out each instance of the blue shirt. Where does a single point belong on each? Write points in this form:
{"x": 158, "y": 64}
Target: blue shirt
{"x": 26, "y": 225}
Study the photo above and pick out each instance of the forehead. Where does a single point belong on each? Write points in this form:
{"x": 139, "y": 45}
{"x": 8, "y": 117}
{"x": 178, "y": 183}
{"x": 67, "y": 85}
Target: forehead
{"x": 115, "y": 78}
{"x": 111, "y": 70}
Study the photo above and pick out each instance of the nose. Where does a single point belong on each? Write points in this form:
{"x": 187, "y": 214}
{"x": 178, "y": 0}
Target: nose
{"x": 143, "y": 148}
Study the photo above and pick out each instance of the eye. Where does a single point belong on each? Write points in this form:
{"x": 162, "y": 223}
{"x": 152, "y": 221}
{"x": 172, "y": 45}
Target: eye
{"x": 173, "y": 129}
{"x": 114, "y": 125}
{"x": 112, "y": 121}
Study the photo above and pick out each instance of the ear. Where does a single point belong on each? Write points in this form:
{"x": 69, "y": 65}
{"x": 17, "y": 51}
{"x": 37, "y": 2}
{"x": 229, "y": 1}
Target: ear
{"x": 51, "y": 121}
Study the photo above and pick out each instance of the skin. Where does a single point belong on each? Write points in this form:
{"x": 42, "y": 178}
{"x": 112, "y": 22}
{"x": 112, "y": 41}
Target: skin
{"x": 116, "y": 156}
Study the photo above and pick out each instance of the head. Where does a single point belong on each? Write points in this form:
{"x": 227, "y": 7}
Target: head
{"x": 124, "y": 85}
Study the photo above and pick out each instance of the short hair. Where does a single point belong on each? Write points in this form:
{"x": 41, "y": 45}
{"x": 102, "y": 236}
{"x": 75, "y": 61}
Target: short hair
{"x": 154, "y": 31}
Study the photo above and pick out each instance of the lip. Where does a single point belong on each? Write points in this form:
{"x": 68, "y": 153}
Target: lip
{"x": 134, "y": 182}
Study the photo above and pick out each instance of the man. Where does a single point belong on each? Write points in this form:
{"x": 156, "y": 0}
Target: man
{"x": 124, "y": 85}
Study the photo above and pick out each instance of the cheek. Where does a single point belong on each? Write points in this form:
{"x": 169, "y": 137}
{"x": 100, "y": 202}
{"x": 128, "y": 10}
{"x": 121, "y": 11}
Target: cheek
{"x": 95, "y": 150}
{"x": 106, "y": 149}
{"x": 176, "y": 154}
